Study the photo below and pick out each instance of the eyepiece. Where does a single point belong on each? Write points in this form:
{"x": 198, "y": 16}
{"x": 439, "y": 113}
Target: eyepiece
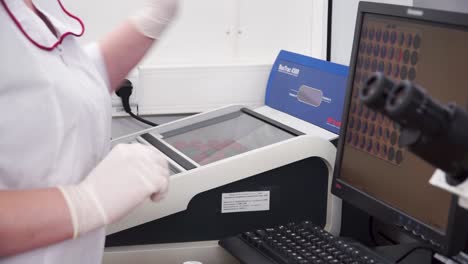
{"x": 410, "y": 106}
{"x": 375, "y": 91}
{"x": 401, "y": 96}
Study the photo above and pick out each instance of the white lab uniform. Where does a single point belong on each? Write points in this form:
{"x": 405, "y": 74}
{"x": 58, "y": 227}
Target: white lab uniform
{"x": 54, "y": 117}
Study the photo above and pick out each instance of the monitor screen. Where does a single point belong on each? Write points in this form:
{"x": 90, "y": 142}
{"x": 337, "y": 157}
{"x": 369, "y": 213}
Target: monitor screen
{"x": 435, "y": 56}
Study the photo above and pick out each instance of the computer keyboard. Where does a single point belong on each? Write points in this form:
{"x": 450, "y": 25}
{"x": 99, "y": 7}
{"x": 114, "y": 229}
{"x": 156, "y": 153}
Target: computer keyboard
{"x": 297, "y": 243}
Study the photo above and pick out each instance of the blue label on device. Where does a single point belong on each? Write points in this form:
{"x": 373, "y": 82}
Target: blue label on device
{"x": 307, "y": 88}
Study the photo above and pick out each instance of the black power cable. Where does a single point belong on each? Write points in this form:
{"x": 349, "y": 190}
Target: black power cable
{"x": 142, "y": 120}
{"x": 124, "y": 92}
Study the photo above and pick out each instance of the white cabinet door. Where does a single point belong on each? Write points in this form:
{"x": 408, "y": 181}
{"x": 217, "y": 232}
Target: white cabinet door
{"x": 203, "y": 33}
{"x": 267, "y": 26}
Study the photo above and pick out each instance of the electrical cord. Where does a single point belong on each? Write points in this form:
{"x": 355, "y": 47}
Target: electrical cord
{"x": 124, "y": 92}
{"x": 413, "y": 250}
{"x": 141, "y": 119}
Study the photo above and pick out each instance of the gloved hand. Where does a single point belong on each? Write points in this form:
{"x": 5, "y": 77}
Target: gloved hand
{"x": 128, "y": 175}
{"x": 154, "y": 16}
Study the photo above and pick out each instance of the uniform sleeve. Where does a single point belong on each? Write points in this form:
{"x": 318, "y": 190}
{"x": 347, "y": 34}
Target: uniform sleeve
{"x": 94, "y": 53}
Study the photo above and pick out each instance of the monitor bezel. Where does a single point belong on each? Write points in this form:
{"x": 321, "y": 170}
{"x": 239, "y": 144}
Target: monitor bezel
{"x": 453, "y": 239}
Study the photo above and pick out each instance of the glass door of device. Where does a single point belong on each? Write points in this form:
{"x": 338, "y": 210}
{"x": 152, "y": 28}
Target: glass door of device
{"x": 226, "y": 136}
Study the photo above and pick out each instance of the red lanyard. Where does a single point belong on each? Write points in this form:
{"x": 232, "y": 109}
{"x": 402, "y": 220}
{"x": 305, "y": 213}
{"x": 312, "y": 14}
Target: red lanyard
{"x": 62, "y": 37}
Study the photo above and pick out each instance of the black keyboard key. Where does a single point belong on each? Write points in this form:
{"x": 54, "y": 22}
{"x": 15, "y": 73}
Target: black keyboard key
{"x": 349, "y": 249}
{"x": 364, "y": 259}
{"x": 307, "y": 244}
{"x": 275, "y": 254}
{"x": 248, "y": 235}
{"x": 317, "y": 251}
{"x": 324, "y": 255}
{"x": 341, "y": 256}
{"x": 320, "y": 244}
{"x": 314, "y": 240}
{"x": 257, "y": 242}
{"x": 260, "y": 233}
{"x": 312, "y": 258}
{"x": 328, "y": 258}
{"x": 311, "y": 248}
{"x": 293, "y": 255}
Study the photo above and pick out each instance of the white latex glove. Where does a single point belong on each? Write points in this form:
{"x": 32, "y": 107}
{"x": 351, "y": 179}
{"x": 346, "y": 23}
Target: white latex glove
{"x": 125, "y": 178}
{"x": 154, "y": 16}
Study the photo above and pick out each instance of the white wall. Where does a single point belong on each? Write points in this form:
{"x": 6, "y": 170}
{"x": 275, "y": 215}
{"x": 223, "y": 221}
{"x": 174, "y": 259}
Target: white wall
{"x": 449, "y": 5}
{"x": 343, "y": 24}
{"x": 220, "y": 31}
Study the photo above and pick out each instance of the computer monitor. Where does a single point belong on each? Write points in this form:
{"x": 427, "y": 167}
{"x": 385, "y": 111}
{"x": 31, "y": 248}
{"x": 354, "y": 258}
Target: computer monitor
{"x": 372, "y": 171}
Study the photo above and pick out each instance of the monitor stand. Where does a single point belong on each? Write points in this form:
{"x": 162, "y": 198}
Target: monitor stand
{"x": 395, "y": 245}
{"x": 409, "y": 253}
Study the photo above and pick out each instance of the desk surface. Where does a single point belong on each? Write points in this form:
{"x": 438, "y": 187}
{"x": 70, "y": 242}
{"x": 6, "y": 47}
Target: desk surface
{"x": 207, "y": 252}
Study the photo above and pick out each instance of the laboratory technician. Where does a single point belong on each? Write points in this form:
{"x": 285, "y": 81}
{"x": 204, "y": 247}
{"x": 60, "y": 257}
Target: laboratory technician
{"x": 59, "y": 184}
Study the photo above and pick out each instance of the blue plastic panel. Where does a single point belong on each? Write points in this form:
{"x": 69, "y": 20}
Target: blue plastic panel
{"x": 307, "y": 88}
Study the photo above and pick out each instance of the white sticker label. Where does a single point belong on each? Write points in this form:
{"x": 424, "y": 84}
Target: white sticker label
{"x": 245, "y": 202}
